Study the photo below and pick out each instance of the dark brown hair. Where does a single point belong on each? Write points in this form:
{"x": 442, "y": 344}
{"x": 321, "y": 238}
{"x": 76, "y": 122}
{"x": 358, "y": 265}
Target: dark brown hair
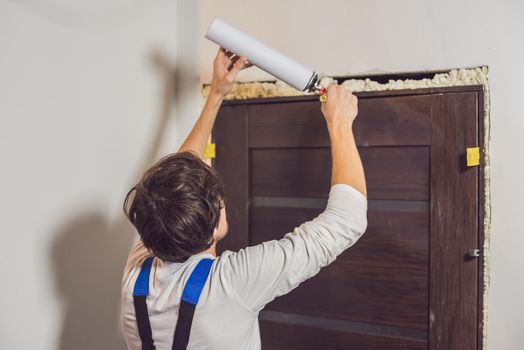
{"x": 176, "y": 206}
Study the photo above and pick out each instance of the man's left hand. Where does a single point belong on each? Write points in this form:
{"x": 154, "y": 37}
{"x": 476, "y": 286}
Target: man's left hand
{"x": 225, "y": 70}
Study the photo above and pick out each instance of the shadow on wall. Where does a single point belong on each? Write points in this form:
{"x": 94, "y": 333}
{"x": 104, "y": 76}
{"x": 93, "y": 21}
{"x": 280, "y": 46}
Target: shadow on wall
{"x": 88, "y": 257}
{"x": 89, "y": 252}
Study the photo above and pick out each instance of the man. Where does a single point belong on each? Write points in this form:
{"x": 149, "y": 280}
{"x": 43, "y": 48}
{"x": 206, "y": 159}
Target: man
{"x": 179, "y": 212}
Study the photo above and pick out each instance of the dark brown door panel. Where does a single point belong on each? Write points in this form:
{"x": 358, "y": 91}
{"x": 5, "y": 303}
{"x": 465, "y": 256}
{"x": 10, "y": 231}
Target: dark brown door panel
{"x": 391, "y": 172}
{"x": 285, "y": 336}
{"x": 386, "y": 121}
{"x": 393, "y": 238}
{"x": 409, "y": 282}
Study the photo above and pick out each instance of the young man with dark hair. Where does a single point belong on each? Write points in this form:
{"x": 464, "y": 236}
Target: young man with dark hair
{"x": 176, "y": 292}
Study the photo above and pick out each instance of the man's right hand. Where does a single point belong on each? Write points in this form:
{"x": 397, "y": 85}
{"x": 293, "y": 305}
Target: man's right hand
{"x": 341, "y": 107}
{"x": 340, "y": 110}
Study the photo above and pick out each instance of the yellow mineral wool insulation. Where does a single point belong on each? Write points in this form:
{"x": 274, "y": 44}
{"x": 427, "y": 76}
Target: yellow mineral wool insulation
{"x": 455, "y": 77}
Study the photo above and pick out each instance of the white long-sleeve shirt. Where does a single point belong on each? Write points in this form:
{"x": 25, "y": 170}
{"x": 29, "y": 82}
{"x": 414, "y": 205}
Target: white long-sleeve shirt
{"x": 241, "y": 283}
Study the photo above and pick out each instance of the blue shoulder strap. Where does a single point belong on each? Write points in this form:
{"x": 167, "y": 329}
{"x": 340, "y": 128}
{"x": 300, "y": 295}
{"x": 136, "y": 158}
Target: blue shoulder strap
{"x": 142, "y": 281}
{"x": 196, "y": 281}
{"x": 139, "y": 300}
{"x": 190, "y": 296}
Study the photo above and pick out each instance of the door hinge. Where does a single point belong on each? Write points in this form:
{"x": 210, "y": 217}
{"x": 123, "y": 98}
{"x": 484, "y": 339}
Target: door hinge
{"x": 473, "y": 156}
{"x": 210, "y": 151}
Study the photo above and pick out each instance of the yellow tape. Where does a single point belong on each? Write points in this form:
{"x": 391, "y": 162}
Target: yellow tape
{"x": 210, "y": 151}
{"x": 473, "y": 156}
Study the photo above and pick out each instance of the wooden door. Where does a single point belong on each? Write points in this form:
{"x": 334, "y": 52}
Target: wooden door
{"x": 408, "y": 283}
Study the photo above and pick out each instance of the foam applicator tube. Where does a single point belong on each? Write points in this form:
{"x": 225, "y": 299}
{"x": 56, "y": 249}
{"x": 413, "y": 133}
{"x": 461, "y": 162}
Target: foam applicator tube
{"x": 261, "y": 55}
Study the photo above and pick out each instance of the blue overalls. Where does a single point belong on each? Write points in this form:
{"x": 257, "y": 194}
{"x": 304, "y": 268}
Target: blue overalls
{"x": 190, "y": 296}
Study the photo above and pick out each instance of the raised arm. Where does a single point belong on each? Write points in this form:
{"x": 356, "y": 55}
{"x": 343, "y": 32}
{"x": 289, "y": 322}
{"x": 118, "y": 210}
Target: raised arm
{"x": 340, "y": 111}
{"x": 225, "y": 71}
{"x": 260, "y": 273}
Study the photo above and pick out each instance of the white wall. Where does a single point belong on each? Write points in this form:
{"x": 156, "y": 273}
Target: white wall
{"x": 353, "y": 37}
{"x": 80, "y": 101}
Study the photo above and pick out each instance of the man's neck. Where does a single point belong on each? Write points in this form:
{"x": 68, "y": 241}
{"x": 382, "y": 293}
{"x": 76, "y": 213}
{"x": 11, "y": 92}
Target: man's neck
{"x": 211, "y": 250}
